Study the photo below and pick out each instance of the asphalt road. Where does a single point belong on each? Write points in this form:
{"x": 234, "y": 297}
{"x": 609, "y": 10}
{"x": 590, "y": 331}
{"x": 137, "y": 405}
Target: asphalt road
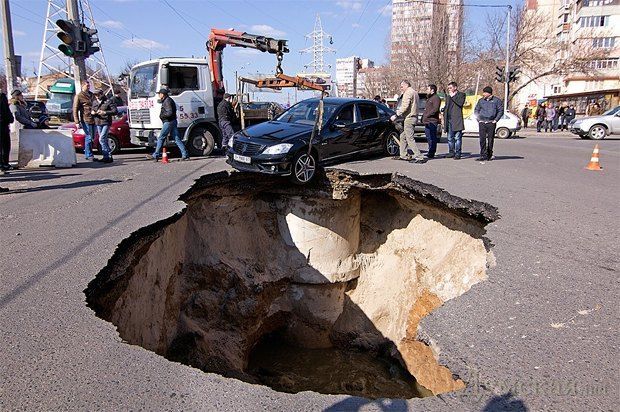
{"x": 540, "y": 334}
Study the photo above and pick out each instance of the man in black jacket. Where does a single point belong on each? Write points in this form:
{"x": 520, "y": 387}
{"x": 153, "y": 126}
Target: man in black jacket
{"x": 226, "y": 117}
{"x": 6, "y": 118}
{"x": 488, "y": 111}
{"x": 103, "y": 109}
{"x": 453, "y": 120}
{"x": 168, "y": 116}
{"x": 430, "y": 119}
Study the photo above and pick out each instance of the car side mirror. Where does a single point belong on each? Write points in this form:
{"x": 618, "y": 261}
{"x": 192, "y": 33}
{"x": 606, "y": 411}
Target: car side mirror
{"x": 339, "y": 125}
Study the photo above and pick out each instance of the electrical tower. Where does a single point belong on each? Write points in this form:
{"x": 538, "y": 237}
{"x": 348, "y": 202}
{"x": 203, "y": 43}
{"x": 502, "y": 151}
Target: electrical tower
{"x": 55, "y": 61}
{"x": 317, "y": 66}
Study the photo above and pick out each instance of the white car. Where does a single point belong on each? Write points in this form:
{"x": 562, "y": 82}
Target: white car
{"x": 597, "y": 127}
{"x": 507, "y": 126}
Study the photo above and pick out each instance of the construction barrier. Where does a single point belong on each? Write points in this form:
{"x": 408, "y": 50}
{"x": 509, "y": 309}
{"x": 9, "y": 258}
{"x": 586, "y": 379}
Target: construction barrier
{"x": 46, "y": 147}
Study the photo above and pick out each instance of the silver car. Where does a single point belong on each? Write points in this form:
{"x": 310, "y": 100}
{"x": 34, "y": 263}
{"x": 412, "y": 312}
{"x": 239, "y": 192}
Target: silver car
{"x": 597, "y": 127}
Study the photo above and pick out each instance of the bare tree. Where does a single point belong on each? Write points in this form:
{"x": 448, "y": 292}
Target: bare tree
{"x": 2, "y": 80}
{"x": 536, "y": 50}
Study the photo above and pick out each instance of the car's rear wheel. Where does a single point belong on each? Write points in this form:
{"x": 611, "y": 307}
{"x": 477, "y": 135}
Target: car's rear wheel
{"x": 303, "y": 167}
{"x": 200, "y": 142}
{"x": 392, "y": 145}
{"x": 597, "y": 132}
{"x": 503, "y": 133}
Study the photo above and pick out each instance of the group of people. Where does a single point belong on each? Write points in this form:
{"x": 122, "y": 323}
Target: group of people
{"x": 488, "y": 111}
{"x": 94, "y": 111}
{"x": 550, "y": 118}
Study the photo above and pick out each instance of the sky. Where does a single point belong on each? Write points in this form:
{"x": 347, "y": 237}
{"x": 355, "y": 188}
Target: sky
{"x": 132, "y": 30}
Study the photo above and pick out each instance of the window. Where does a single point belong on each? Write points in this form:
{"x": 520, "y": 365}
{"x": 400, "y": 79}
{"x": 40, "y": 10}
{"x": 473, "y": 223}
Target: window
{"x": 603, "y": 42}
{"x": 182, "y": 78}
{"x": 594, "y": 3}
{"x": 611, "y": 63}
{"x": 367, "y": 111}
{"x": 346, "y": 115}
{"x": 594, "y": 21}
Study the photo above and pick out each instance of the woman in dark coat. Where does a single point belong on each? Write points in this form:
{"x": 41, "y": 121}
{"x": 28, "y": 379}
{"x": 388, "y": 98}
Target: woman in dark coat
{"x": 6, "y": 118}
{"x": 453, "y": 120}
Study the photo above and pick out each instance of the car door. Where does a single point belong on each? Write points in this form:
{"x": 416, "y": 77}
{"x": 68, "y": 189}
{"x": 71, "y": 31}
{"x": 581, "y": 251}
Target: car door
{"x": 339, "y": 136}
{"x": 370, "y": 126}
{"x": 615, "y": 123}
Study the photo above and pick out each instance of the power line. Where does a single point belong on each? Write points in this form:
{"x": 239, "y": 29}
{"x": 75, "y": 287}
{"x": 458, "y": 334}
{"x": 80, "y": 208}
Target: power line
{"x": 379, "y": 14}
{"x": 274, "y": 18}
{"x": 356, "y": 23}
{"x": 182, "y": 18}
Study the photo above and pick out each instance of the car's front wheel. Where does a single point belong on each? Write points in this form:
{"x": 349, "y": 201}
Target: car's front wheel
{"x": 503, "y": 133}
{"x": 200, "y": 142}
{"x": 392, "y": 144}
{"x": 303, "y": 167}
{"x": 114, "y": 144}
{"x": 597, "y": 132}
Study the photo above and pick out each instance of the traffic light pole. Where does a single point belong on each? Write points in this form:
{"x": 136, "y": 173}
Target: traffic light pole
{"x": 79, "y": 64}
{"x": 507, "y": 70}
{"x": 9, "y": 51}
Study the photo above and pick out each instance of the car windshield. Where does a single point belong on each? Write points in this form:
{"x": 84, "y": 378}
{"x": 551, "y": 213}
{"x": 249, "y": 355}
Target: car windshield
{"x": 305, "y": 113}
{"x": 61, "y": 97}
{"x": 144, "y": 81}
{"x": 611, "y": 112}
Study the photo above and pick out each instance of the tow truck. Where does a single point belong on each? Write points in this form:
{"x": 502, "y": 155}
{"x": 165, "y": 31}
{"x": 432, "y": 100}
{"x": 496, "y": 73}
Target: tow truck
{"x": 196, "y": 86}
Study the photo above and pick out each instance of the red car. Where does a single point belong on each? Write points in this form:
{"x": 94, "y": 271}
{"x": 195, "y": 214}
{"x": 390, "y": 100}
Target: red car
{"x": 118, "y": 136}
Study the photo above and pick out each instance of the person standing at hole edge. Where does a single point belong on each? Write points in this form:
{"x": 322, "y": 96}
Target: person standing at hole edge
{"x": 453, "y": 120}
{"x": 226, "y": 117}
{"x": 82, "y": 115}
{"x": 103, "y": 110}
{"x": 430, "y": 119}
{"x": 168, "y": 116}
{"x": 408, "y": 109}
{"x": 488, "y": 111}
{"x": 6, "y": 118}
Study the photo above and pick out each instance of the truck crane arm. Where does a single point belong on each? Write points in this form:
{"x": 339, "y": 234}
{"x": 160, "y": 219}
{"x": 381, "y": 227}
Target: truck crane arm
{"x": 219, "y": 39}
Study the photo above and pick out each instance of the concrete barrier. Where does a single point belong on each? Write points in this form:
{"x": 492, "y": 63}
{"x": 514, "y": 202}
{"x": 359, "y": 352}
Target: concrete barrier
{"x": 46, "y": 148}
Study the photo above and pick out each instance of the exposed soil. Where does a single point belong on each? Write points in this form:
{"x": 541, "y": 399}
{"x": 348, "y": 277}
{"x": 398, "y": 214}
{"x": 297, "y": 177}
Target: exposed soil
{"x": 318, "y": 288}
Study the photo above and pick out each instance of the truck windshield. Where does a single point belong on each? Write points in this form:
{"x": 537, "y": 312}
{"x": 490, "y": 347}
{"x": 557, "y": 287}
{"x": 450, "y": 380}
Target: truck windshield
{"x": 305, "y": 112}
{"x": 61, "y": 97}
{"x": 144, "y": 81}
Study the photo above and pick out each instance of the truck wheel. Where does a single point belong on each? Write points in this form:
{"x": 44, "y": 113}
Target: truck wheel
{"x": 503, "y": 133}
{"x": 597, "y": 132}
{"x": 200, "y": 142}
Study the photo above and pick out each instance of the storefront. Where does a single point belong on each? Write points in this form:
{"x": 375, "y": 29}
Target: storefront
{"x": 607, "y": 99}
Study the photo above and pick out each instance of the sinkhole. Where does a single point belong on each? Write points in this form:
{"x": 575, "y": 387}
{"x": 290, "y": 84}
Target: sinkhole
{"x": 317, "y": 288}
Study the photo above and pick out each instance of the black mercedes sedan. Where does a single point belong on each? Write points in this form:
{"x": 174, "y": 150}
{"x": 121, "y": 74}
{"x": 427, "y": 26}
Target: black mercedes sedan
{"x": 350, "y": 128}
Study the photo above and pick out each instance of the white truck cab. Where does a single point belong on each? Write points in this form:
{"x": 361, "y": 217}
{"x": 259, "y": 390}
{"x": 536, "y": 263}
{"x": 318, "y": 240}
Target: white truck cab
{"x": 190, "y": 84}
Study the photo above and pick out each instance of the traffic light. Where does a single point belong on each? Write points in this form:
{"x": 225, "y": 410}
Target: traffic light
{"x": 90, "y": 41}
{"x": 513, "y": 74}
{"x": 70, "y": 36}
{"x": 499, "y": 74}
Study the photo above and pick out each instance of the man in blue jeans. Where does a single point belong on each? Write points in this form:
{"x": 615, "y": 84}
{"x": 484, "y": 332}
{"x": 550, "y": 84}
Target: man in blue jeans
{"x": 453, "y": 120}
{"x": 168, "y": 116}
{"x": 430, "y": 119}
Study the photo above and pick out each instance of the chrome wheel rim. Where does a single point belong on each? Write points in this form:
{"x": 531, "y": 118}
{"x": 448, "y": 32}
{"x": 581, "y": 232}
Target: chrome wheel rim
{"x": 304, "y": 168}
{"x": 598, "y": 132}
{"x": 199, "y": 142}
{"x": 111, "y": 145}
{"x": 392, "y": 145}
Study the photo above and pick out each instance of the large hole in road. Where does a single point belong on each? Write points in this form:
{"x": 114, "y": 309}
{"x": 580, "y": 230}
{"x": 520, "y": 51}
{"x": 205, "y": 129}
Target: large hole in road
{"x": 316, "y": 288}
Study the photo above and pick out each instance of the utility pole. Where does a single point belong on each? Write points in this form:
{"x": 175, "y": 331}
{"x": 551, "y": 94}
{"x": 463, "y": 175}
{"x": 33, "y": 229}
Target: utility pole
{"x": 79, "y": 64}
{"x": 9, "y": 50}
{"x": 507, "y": 69}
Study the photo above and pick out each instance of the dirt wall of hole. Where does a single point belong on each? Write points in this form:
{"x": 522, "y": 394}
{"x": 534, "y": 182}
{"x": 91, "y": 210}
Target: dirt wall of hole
{"x": 354, "y": 267}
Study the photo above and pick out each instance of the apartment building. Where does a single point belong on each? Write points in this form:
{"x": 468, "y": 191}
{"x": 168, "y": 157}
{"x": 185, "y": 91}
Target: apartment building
{"x": 351, "y": 76}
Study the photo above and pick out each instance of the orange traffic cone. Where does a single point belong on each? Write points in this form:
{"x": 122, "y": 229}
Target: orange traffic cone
{"x": 594, "y": 163}
{"x": 164, "y": 156}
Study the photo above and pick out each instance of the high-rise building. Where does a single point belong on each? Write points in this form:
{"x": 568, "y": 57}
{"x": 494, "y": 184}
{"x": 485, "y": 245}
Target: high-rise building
{"x": 423, "y": 27}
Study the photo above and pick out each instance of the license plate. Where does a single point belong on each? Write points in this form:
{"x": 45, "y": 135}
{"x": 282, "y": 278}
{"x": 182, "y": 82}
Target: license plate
{"x": 242, "y": 159}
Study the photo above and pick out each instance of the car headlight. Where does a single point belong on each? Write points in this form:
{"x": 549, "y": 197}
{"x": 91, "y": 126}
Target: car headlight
{"x": 278, "y": 149}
